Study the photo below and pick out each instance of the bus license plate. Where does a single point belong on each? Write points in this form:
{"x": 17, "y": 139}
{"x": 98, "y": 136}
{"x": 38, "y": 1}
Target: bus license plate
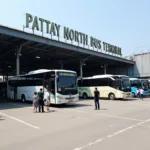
{"x": 70, "y": 101}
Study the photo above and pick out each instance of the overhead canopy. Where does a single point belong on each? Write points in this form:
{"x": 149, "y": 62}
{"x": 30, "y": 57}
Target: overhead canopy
{"x": 39, "y": 52}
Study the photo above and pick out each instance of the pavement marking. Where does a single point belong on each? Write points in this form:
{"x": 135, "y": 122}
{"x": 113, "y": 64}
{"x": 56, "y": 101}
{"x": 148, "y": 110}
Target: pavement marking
{"x": 98, "y": 114}
{"x": 112, "y": 135}
{"x": 80, "y": 111}
{"x": 21, "y": 121}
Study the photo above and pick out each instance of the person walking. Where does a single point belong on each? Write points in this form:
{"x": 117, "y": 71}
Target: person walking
{"x": 41, "y": 102}
{"x": 47, "y": 99}
{"x": 138, "y": 93}
{"x": 96, "y": 99}
{"x": 141, "y": 93}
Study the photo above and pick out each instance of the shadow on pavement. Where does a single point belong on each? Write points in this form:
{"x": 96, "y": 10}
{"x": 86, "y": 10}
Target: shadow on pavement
{"x": 106, "y": 99}
{"x": 12, "y": 104}
{"x": 127, "y": 99}
{"x": 75, "y": 105}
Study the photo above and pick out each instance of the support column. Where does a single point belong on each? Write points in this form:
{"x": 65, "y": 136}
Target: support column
{"x": 105, "y": 68}
{"x": 17, "y": 65}
{"x": 81, "y": 69}
{"x": 18, "y": 51}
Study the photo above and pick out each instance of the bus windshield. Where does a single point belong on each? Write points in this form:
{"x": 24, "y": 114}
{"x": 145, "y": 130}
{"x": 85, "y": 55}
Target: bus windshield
{"x": 136, "y": 83}
{"x": 145, "y": 85}
{"x": 126, "y": 86}
{"x": 67, "y": 83}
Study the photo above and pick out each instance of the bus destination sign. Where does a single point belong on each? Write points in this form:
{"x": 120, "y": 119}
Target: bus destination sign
{"x": 54, "y": 29}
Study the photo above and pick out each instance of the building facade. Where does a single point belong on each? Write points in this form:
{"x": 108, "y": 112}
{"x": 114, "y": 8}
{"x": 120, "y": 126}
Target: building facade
{"x": 141, "y": 68}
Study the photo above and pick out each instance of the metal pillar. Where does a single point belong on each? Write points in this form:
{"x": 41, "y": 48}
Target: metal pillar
{"x": 105, "y": 68}
{"x": 17, "y": 65}
{"x": 18, "y": 51}
{"x": 81, "y": 66}
{"x": 81, "y": 69}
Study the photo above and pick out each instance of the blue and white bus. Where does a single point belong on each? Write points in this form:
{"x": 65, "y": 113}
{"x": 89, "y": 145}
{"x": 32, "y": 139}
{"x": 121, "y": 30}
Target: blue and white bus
{"x": 138, "y": 83}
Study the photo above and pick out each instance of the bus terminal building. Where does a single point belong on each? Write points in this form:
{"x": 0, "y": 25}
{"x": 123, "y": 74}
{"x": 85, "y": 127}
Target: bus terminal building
{"x": 43, "y": 44}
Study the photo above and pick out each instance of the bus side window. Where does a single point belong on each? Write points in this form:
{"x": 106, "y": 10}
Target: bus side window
{"x": 111, "y": 83}
{"x": 79, "y": 82}
{"x": 94, "y": 82}
{"x": 38, "y": 82}
{"x": 85, "y": 83}
{"x": 103, "y": 82}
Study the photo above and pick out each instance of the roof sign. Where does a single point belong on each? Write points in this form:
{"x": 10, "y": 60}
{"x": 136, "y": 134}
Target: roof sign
{"x": 54, "y": 29}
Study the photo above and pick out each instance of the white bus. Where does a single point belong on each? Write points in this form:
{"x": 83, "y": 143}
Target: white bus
{"x": 61, "y": 83}
{"x": 110, "y": 86}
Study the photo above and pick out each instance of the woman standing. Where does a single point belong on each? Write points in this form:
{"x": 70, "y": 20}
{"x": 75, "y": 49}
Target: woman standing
{"x": 35, "y": 102}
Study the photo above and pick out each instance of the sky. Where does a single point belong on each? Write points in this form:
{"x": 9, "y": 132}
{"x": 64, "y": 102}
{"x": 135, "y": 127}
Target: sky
{"x": 123, "y": 23}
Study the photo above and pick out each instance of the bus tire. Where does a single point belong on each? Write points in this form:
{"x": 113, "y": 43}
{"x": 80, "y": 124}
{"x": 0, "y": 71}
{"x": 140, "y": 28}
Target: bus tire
{"x": 85, "y": 96}
{"x": 111, "y": 96}
{"x": 23, "y": 98}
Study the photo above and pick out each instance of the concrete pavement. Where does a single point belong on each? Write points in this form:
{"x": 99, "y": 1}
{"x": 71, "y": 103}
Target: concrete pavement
{"x": 118, "y": 125}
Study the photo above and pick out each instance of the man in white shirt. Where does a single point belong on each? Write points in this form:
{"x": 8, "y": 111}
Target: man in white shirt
{"x": 141, "y": 93}
{"x": 138, "y": 93}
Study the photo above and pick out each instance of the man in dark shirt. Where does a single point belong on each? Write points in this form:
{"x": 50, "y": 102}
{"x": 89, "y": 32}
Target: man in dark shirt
{"x": 96, "y": 98}
{"x": 41, "y": 102}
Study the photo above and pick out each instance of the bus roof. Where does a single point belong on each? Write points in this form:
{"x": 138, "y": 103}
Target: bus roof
{"x": 47, "y": 70}
{"x": 104, "y": 76}
{"x": 40, "y": 71}
{"x": 109, "y": 75}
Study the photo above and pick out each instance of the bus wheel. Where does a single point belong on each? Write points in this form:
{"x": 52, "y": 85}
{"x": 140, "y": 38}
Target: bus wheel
{"x": 111, "y": 96}
{"x": 23, "y": 98}
{"x": 85, "y": 96}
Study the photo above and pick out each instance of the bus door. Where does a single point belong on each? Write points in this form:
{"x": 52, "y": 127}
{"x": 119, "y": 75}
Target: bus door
{"x": 10, "y": 89}
{"x": 49, "y": 83}
{"x": 15, "y": 93}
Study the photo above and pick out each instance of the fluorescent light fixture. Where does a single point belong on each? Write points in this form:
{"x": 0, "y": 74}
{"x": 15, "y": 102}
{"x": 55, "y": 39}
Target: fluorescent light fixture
{"x": 38, "y": 57}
